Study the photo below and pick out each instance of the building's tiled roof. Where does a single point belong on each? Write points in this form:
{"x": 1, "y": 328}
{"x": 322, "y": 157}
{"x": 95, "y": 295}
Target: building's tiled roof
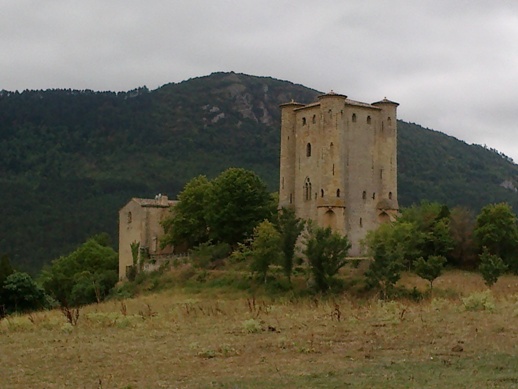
{"x": 360, "y": 104}
{"x": 346, "y": 102}
{"x": 385, "y": 101}
{"x": 158, "y": 202}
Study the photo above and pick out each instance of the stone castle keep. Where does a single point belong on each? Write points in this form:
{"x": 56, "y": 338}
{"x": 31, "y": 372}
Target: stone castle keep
{"x": 338, "y": 167}
{"x": 338, "y": 164}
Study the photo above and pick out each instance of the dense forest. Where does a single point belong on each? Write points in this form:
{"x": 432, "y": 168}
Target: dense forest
{"x": 69, "y": 160}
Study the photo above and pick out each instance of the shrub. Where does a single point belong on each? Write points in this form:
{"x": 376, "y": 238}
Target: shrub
{"x": 252, "y": 326}
{"x": 479, "y": 301}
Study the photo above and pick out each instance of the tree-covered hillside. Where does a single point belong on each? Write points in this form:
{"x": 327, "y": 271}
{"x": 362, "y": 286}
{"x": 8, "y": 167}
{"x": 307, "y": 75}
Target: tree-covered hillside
{"x": 69, "y": 160}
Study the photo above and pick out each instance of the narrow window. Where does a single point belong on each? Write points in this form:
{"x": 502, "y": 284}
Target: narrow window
{"x": 307, "y": 187}
{"x": 321, "y": 192}
{"x": 361, "y": 222}
{"x": 389, "y": 121}
{"x": 354, "y": 118}
{"x": 381, "y": 173}
{"x": 390, "y": 195}
{"x": 338, "y": 193}
{"x": 129, "y": 217}
{"x": 308, "y": 150}
{"x": 333, "y": 169}
{"x": 368, "y": 120}
{"x": 316, "y": 195}
{"x": 282, "y": 185}
{"x": 303, "y": 121}
{"x": 374, "y": 196}
{"x": 364, "y": 195}
{"x": 314, "y": 119}
{"x": 291, "y": 198}
{"x": 330, "y": 112}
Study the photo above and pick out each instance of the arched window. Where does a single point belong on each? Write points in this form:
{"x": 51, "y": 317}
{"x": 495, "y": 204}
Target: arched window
{"x": 364, "y": 195}
{"x": 314, "y": 120}
{"x": 308, "y": 150}
{"x": 389, "y": 121}
{"x": 303, "y": 121}
{"x": 390, "y": 195}
{"x": 368, "y": 120}
{"x": 354, "y": 118}
{"x": 307, "y": 188}
{"x": 338, "y": 193}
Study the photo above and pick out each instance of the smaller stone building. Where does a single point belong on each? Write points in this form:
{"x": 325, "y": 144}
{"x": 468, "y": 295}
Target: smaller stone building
{"x": 139, "y": 222}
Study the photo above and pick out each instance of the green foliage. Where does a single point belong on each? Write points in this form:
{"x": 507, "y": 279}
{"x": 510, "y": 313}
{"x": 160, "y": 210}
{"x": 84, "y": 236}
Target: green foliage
{"x": 462, "y": 224}
{"x": 207, "y": 255}
{"x": 187, "y": 224}
{"x": 84, "y": 276}
{"x": 431, "y": 268}
{"x": 238, "y": 201}
{"x": 497, "y": 230}
{"x": 266, "y": 248}
{"x": 432, "y": 234}
{"x": 326, "y": 252}
{"x": 479, "y": 301}
{"x": 22, "y": 294}
{"x": 290, "y": 228}
{"x": 390, "y": 246}
{"x": 491, "y": 267}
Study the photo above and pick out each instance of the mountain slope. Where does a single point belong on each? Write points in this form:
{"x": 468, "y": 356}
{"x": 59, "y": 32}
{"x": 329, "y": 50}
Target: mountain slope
{"x": 70, "y": 159}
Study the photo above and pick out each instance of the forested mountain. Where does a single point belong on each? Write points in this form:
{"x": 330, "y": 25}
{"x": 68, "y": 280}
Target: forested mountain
{"x": 69, "y": 160}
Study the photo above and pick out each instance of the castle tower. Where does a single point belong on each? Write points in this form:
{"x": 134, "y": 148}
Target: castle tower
{"x": 339, "y": 164}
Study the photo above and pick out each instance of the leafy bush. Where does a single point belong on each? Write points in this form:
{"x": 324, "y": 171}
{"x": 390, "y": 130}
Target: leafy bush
{"x": 252, "y": 326}
{"x": 479, "y": 301}
{"x": 207, "y": 255}
{"x": 326, "y": 252}
{"x": 491, "y": 267}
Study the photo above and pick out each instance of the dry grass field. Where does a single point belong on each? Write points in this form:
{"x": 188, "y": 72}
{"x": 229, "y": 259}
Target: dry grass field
{"x": 461, "y": 338}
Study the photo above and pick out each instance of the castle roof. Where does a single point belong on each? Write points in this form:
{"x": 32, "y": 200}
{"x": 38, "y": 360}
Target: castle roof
{"x": 386, "y": 101}
{"x": 159, "y": 201}
{"x": 346, "y": 102}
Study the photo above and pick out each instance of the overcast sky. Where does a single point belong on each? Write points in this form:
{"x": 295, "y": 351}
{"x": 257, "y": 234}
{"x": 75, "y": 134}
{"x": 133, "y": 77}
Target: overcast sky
{"x": 451, "y": 64}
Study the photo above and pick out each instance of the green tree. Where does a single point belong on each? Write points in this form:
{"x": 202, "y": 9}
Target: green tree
{"x": 326, "y": 252}
{"x": 491, "y": 267}
{"x": 290, "y": 228}
{"x": 462, "y": 223}
{"x": 187, "y": 224}
{"x": 84, "y": 276}
{"x": 496, "y": 229}
{"x": 391, "y": 246}
{"x": 22, "y": 293}
{"x": 238, "y": 201}
{"x": 266, "y": 248}
{"x": 430, "y": 268}
{"x": 432, "y": 225}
